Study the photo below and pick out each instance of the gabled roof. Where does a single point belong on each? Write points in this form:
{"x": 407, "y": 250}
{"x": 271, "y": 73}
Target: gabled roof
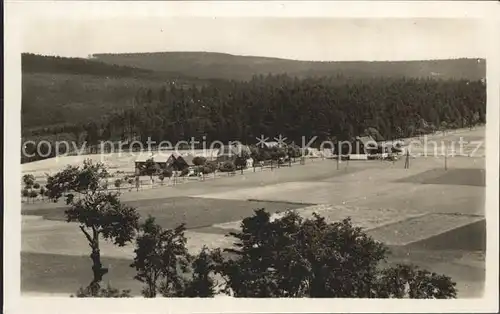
{"x": 188, "y": 159}
{"x": 366, "y": 140}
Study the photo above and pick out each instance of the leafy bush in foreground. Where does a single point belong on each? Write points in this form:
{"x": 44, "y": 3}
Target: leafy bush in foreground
{"x": 227, "y": 166}
{"x": 295, "y": 257}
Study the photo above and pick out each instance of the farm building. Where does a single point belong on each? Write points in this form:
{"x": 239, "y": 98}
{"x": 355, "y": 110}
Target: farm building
{"x": 208, "y": 153}
{"x": 161, "y": 161}
{"x": 364, "y": 145}
{"x": 173, "y": 161}
{"x": 181, "y": 162}
{"x": 390, "y": 146}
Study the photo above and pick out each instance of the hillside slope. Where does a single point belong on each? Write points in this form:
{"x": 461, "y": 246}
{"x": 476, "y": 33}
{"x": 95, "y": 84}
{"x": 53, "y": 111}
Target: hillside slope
{"x": 32, "y": 63}
{"x": 74, "y": 90}
{"x": 226, "y": 66}
{"x": 49, "y": 98}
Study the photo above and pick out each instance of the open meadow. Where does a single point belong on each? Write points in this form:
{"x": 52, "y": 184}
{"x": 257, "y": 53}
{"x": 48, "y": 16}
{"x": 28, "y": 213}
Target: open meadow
{"x": 411, "y": 210}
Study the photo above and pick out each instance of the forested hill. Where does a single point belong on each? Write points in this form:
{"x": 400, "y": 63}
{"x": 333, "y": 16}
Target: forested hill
{"x": 33, "y": 63}
{"x": 59, "y": 90}
{"x": 226, "y": 66}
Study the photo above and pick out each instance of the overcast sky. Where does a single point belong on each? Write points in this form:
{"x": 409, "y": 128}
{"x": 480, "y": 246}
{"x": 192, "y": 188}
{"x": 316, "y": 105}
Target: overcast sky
{"x": 294, "y": 38}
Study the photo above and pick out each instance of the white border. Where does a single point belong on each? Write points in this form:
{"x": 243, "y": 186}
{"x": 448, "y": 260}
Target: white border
{"x": 17, "y": 13}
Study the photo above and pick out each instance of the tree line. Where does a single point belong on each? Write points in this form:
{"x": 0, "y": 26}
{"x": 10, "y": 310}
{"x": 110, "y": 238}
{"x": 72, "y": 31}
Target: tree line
{"x": 285, "y": 257}
{"x": 327, "y": 107}
{"x": 324, "y": 107}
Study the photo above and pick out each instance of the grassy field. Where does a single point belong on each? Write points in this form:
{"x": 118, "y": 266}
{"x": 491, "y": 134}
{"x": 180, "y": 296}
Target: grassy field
{"x": 194, "y": 212}
{"x": 470, "y": 177}
{"x": 65, "y": 274}
{"x": 57, "y": 273}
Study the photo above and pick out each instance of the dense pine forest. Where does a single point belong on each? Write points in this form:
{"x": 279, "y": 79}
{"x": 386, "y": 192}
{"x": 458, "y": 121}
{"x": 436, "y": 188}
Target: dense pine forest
{"x": 329, "y": 107}
{"x": 322, "y": 107}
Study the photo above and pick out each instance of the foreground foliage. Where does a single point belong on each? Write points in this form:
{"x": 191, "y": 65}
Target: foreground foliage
{"x": 293, "y": 257}
{"x": 285, "y": 256}
{"x": 164, "y": 265}
{"x": 108, "y": 292}
{"x": 99, "y": 213}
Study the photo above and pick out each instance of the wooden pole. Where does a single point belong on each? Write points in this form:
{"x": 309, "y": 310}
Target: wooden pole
{"x": 446, "y": 158}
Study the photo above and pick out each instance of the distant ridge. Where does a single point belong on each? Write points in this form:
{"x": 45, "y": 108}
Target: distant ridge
{"x": 33, "y": 63}
{"x": 207, "y": 65}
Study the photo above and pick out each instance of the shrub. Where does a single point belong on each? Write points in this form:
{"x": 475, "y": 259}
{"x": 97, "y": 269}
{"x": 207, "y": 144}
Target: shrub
{"x": 25, "y": 192}
{"x": 254, "y": 152}
{"x": 207, "y": 170}
{"x": 118, "y": 183}
{"x": 264, "y": 154}
{"x": 199, "y": 161}
{"x": 36, "y": 185}
{"x": 294, "y": 151}
{"x": 240, "y": 162}
{"x": 167, "y": 173}
{"x": 150, "y": 168}
{"x": 197, "y": 170}
{"x": 212, "y": 165}
{"x": 184, "y": 172}
{"x": 32, "y": 194}
{"x": 227, "y": 166}
{"x": 277, "y": 153}
{"x": 28, "y": 180}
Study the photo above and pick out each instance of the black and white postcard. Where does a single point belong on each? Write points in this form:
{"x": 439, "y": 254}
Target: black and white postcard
{"x": 251, "y": 157}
